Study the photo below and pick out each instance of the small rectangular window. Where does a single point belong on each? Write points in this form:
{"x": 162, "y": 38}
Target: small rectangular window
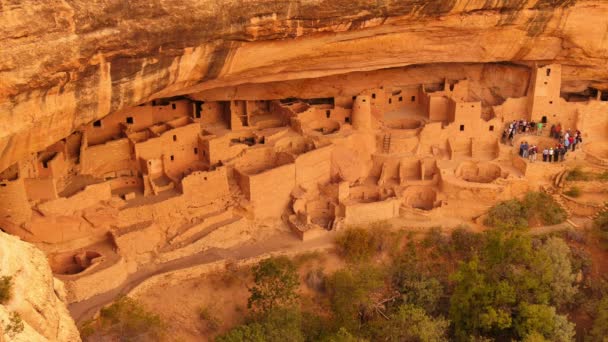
{"x": 347, "y": 120}
{"x": 129, "y": 120}
{"x": 327, "y": 113}
{"x": 462, "y": 127}
{"x": 400, "y": 98}
{"x": 548, "y": 72}
{"x": 196, "y": 150}
{"x": 491, "y": 128}
{"x": 174, "y": 137}
{"x": 390, "y": 101}
{"x": 172, "y": 158}
{"x": 373, "y": 96}
{"x": 97, "y": 123}
{"x": 173, "y": 105}
{"x": 413, "y": 98}
{"x": 354, "y": 98}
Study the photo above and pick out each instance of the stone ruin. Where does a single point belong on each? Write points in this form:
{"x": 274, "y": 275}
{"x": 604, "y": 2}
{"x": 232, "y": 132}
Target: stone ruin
{"x": 175, "y": 176}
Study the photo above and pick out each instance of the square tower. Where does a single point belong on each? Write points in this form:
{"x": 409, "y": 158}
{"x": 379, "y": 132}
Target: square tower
{"x": 544, "y": 91}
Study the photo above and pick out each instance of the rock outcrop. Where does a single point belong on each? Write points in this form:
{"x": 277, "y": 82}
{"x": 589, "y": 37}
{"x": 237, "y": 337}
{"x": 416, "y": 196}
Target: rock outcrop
{"x": 37, "y": 297}
{"x": 66, "y": 63}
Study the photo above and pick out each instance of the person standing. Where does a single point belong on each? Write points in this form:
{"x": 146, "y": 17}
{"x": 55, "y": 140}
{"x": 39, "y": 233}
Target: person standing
{"x": 572, "y": 142}
{"x": 550, "y": 157}
{"x": 525, "y": 151}
{"x": 532, "y": 153}
{"x": 558, "y": 130}
{"x": 545, "y": 154}
{"x": 539, "y": 128}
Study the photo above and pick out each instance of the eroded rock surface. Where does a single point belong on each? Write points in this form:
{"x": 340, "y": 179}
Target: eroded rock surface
{"x": 67, "y": 63}
{"x": 37, "y": 297}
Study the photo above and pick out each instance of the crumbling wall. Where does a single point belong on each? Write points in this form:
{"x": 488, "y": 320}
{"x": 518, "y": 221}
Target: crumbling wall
{"x": 212, "y": 112}
{"x": 135, "y": 119}
{"x": 41, "y": 189}
{"x": 314, "y": 167}
{"x": 362, "y": 112}
{"x": 178, "y": 148}
{"x": 402, "y": 98}
{"x": 438, "y": 108}
{"x": 592, "y": 120}
{"x": 109, "y": 157}
{"x": 270, "y": 191}
{"x": 420, "y": 197}
{"x": 14, "y": 205}
{"x": 205, "y": 186}
{"x": 138, "y": 245}
{"x": 88, "y": 197}
{"x": 512, "y": 109}
{"x": 459, "y": 147}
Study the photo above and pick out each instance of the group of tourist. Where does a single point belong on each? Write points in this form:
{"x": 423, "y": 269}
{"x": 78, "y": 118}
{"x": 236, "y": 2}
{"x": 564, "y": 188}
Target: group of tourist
{"x": 521, "y": 126}
{"x": 567, "y": 140}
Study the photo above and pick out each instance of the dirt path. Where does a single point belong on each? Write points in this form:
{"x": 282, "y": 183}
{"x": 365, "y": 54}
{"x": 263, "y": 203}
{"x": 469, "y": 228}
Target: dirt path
{"x": 84, "y": 310}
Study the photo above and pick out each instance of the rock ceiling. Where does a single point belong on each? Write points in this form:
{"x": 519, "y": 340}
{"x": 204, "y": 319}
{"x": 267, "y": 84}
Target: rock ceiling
{"x": 67, "y": 63}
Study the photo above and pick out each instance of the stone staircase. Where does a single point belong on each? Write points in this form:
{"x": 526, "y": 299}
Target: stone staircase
{"x": 557, "y": 196}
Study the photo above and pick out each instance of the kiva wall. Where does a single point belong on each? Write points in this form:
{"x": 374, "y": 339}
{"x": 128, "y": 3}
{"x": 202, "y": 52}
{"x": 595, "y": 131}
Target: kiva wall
{"x": 362, "y": 213}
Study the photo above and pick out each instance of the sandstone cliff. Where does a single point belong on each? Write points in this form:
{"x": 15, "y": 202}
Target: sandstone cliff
{"x": 36, "y": 296}
{"x": 65, "y": 63}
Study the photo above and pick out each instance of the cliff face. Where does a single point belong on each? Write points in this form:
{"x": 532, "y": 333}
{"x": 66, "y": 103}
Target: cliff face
{"x": 36, "y": 295}
{"x": 68, "y": 62}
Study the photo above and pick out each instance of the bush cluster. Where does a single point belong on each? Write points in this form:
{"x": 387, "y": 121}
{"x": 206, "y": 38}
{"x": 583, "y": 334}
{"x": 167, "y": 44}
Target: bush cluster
{"x": 516, "y": 214}
{"x": 359, "y": 244}
{"x": 125, "y": 320}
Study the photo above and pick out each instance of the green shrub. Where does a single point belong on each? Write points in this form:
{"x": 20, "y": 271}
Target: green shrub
{"x": 600, "y": 225}
{"x": 277, "y": 324}
{"x": 126, "y": 320}
{"x": 466, "y": 242}
{"x": 542, "y": 206}
{"x": 511, "y": 214}
{"x": 276, "y": 282}
{"x": 6, "y": 287}
{"x": 573, "y": 192}
{"x": 577, "y": 174}
{"x": 515, "y": 214}
{"x": 358, "y": 244}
